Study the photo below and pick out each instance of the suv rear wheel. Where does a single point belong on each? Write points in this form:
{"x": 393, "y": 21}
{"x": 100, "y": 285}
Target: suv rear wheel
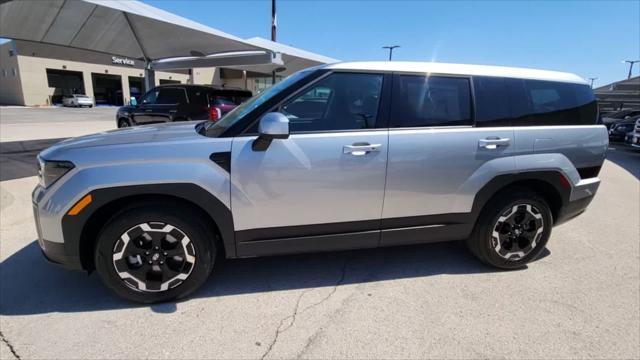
{"x": 154, "y": 252}
{"x": 512, "y": 230}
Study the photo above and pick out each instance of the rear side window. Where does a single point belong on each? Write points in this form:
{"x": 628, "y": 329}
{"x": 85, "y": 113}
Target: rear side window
{"x": 170, "y": 96}
{"x": 492, "y": 101}
{"x": 533, "y": 102}
{"x": 424, "y": 101}
{"x": 198, "y": 97}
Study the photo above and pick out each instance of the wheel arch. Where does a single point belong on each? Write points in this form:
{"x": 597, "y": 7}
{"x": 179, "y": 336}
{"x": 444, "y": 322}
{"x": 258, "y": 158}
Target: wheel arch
{"x": 80, "y": 231}
{"x": 552, "y": 185}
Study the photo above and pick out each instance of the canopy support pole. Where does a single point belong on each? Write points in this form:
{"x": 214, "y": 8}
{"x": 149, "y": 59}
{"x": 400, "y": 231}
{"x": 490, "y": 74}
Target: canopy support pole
{"x": 149, "y": 77}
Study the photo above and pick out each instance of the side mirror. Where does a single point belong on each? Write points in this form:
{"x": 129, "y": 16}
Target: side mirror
{"x": 273, "y": 125}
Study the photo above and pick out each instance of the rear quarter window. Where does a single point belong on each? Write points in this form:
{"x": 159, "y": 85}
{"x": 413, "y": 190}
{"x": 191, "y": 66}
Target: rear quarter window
{"x": 533, "y": 102}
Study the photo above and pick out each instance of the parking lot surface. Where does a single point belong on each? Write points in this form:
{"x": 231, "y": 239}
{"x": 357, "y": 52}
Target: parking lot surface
{"x": 24, "y": 123}
{"x": 581, "y": 299}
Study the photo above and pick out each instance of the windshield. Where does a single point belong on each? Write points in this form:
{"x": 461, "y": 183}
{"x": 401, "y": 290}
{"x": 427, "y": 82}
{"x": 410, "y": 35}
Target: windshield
{"x": 239, "y": 112}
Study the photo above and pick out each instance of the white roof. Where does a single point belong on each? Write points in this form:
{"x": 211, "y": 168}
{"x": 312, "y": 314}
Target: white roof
{"x": 459, "y": 69}
{"x": 118, "y": 27}
{"x": 290, "y": 50}
{"x": 293, "y": 59}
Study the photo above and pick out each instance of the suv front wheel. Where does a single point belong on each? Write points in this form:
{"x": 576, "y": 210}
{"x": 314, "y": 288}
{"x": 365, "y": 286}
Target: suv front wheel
{"x": 512, "y": 230}
{"x": 155, "y": 252}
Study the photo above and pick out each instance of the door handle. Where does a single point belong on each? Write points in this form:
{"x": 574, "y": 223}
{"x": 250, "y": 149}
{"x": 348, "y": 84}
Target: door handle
{"x": 492, "y": 143}
{"x": 359, "y": 149}
{"x": 148, "y": 110}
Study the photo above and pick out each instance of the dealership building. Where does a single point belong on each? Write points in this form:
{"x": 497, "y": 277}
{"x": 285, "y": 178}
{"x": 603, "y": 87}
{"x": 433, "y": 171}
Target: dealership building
{"x": 50, "y": 56}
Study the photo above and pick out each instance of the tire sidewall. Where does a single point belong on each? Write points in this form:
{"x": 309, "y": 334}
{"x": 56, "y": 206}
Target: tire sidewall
{"x": 125, "y": 220}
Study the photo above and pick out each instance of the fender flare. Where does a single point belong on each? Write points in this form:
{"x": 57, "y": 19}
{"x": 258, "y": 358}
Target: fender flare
{"x": 74, "y": 227}
{"x": 555, "y": 178}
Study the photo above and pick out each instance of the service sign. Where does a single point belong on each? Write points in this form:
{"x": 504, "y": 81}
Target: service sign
{"x": 122, "y": 61}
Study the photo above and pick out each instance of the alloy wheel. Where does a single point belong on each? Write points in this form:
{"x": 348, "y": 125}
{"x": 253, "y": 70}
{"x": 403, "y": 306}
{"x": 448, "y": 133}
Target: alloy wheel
{"x": 153, "y": 257}
{"x": 517, "y": 231}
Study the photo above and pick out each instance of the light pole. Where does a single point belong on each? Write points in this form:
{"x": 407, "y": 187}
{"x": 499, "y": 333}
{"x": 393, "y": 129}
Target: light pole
{"x": 391, "y": 47}
{"x": 630, "y": 62}
{"x": 592, "y": 79}
{"x": 273, "y": 34}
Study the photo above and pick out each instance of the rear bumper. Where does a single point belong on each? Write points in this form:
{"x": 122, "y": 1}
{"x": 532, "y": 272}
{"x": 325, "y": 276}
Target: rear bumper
{"x": 581, "y": 196}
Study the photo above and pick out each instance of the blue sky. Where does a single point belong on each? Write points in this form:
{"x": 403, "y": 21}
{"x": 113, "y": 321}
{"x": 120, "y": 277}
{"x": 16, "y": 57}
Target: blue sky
{"x": 589, "y": 38}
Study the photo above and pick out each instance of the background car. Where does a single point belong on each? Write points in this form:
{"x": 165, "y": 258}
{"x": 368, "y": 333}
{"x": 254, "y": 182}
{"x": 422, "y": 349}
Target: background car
{"x": 610, "y": 119}
{"x": 77, "y": 100}
{"x": 619, "y": 130}
{"x": 633, "y": 137}
{"x": 181, "y": 102}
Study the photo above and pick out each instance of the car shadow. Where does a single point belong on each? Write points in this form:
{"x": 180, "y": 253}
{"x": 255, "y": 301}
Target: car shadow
{"x": 625, "y": 157}
{"x": 29, "y": 285}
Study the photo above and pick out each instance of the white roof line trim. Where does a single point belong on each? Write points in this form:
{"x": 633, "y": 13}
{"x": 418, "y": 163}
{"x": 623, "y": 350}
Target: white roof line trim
{"x": 459, "y": 69}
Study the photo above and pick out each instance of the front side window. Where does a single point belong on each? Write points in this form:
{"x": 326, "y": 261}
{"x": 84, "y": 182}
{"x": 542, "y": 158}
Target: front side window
{"x": 150, "y": 97}
{"x": 251, "y": 104}
{"x": 341, "y": 101}
{"x": 171, "y": 96}
{"x": 425, "y": 101}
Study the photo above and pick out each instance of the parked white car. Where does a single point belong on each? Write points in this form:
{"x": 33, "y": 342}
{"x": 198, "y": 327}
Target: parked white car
{"x": 77, "y": 100}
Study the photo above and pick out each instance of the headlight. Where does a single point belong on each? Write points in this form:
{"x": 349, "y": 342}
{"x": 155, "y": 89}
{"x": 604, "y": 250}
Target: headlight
{"x": 50, "y": 171}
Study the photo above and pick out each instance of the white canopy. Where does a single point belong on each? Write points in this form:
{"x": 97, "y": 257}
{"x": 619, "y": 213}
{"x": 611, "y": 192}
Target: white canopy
{"x": 293, "y": 59}
{"x": 119, "y": 27}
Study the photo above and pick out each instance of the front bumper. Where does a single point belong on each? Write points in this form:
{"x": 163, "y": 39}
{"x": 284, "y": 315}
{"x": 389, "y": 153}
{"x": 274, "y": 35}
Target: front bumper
{"x": 53, "y": 251}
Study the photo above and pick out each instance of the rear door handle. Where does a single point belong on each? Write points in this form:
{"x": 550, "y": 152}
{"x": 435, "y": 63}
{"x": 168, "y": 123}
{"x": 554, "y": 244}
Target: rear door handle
{"x": 492, "y": 143}
{"x": 359, "y": 149}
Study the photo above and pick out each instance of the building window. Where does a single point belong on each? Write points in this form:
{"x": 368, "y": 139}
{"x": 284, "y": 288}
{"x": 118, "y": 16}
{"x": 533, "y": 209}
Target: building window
{"x": 4, "y": 72}
{"x": 13, "y": 71}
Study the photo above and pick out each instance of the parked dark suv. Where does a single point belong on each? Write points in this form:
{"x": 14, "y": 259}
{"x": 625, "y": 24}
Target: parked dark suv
{"x": 181, "y": 103}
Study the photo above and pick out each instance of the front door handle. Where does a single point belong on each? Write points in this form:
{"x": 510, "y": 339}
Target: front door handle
{"x": 359, "y": 149}
{"x": 492, "y": 143}
{"x": 148, "y": 110}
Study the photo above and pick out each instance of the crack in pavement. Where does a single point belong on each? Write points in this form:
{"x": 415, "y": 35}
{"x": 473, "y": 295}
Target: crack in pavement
{"x": 318, "y": 332}
{"x": 9, "y": 345}
{"x": 280, "y": 329}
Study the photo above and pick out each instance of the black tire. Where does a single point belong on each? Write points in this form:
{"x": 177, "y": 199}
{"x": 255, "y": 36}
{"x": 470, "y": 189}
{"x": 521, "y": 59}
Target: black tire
{"x": 514, "y": 252}
{"x": 123, "y": 123}
{"x": 188, "y": 222}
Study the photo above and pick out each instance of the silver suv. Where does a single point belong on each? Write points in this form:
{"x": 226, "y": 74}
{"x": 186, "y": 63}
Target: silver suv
{"x": 343, "y": 156}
